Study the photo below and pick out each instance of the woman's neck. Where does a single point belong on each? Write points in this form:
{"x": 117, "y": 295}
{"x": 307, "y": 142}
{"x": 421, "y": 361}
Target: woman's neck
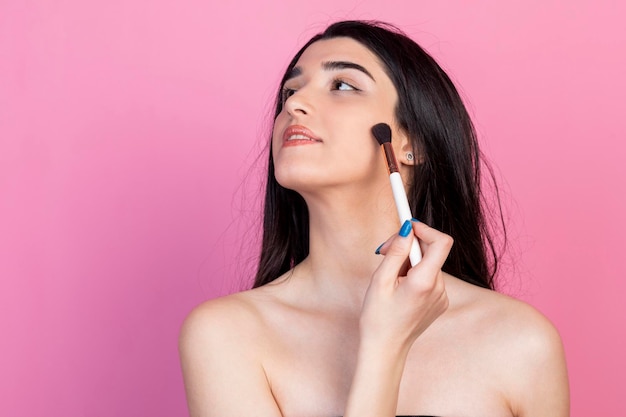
{"x": 344, "y": 233}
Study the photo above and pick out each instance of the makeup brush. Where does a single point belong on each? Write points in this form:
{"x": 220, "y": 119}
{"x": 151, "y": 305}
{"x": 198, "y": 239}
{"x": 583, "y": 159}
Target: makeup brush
{"x": 382, "y": 133}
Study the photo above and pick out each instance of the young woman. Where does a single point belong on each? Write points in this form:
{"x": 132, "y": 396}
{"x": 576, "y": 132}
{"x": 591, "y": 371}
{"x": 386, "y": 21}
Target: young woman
{"x": 331, "y": 328}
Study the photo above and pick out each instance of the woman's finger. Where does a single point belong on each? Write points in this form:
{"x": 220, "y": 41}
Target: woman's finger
{"x": 436, "y": 247}
{"x": 396, "y": 251}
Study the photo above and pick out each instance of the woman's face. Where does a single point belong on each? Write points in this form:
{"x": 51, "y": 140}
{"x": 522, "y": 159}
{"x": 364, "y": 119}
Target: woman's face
{"x": 322, "y": 138}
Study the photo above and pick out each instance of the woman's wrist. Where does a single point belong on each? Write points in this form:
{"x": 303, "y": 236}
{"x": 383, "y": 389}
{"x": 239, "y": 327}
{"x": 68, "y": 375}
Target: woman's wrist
{"x": 382, "y": 362}
{"x": 376, "y": 382}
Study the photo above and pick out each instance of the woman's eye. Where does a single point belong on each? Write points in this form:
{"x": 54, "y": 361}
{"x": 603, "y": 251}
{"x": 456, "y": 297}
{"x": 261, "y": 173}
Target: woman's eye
{"x": 343, "y": 86}
{"x": 286, "y": 93}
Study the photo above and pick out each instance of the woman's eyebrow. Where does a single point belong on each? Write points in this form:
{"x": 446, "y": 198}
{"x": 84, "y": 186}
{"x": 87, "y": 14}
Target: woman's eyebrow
{"x": 293, "y": 73}
{"x": 331, "y": 66}
{"x": 338, "y": 65}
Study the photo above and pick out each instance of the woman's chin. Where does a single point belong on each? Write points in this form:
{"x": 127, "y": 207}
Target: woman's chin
{"x": 297, "y": 176}
{"x": 300, "y": 184}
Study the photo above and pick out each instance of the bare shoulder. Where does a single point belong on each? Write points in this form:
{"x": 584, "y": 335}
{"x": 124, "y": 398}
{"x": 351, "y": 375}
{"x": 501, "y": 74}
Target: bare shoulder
{"x": 221, "y": 344}
{"x": 235, "y": 318}
{"x": 234, "y": 315}
{"x": 520, "y": 327}
{"x": 521, "y": 346}
{"x": 232, "y": 326}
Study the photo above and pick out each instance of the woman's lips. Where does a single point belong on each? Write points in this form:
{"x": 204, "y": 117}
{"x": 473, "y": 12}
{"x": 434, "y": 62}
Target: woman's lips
{"x": 299, "y": 135}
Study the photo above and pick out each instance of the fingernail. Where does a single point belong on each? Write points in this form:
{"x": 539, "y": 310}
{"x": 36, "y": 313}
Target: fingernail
{"x": 406, "y": 228}
{"x": 377, "y": 251}
{"x": 415, "y": 220}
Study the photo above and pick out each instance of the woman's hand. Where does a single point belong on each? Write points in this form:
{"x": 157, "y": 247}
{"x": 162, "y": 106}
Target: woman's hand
{"x": 399, "y": 306}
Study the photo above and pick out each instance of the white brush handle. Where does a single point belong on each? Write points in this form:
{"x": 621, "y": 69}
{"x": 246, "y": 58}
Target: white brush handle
{"x": 404, "y": 212}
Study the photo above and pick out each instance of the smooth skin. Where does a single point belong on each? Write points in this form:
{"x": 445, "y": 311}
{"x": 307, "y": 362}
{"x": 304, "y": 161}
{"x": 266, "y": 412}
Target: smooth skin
{"x": 348, "y": 332}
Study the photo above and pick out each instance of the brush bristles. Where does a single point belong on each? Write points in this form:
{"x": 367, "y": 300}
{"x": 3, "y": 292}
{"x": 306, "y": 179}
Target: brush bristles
{"x": 382, "y": 133}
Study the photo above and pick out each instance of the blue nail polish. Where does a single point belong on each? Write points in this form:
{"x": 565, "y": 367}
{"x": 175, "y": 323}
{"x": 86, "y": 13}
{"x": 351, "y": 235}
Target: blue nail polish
{"x": 415, "y": 220}
{"x": 377, "y": 251}
{"x": 406, "y": 228}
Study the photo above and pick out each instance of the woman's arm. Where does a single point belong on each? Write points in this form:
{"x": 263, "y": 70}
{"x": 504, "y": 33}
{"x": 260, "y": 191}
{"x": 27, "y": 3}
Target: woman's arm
{"x": 397, "y": 309}
{"x": 220, "y": 355}
{"x": 539, "y": 377}
{"x": 221, "y": 368}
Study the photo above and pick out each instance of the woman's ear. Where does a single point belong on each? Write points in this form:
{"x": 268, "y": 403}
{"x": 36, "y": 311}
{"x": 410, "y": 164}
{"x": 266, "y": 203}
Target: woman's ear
{"x": 405, "y": 153}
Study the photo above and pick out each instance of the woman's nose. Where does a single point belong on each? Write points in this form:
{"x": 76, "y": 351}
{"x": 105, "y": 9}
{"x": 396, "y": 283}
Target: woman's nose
{"x": 298, "y": 103}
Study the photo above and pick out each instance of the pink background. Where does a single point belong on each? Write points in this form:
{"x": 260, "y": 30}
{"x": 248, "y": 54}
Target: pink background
{"x": 127, "y": 132}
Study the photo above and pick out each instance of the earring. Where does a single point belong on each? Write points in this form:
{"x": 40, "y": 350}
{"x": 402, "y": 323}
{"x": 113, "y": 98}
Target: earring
{"x": 409, "y": 156}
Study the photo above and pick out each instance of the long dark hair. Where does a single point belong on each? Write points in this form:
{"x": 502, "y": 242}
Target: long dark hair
{"x": 445, "y": 188}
